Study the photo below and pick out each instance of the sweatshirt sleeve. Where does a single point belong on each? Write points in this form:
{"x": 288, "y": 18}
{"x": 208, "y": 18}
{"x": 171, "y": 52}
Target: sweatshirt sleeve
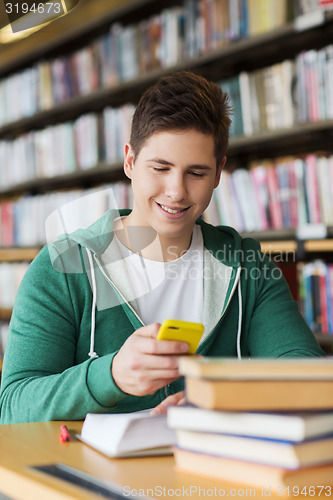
{"x": 276, "y": 327}
{"x": 42, "y": 377}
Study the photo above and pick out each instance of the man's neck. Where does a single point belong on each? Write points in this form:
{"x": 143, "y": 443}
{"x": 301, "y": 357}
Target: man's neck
{"x": 145, "y": 242}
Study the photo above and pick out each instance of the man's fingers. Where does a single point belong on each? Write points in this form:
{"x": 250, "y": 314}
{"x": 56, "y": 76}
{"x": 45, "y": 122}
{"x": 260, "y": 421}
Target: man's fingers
{"x": 174, "y": 399}
{"x": 147, "y": 343}
{"x": 153, "y": 346}
{"x": 147, "y": 363}
{"x": 149, "y": 331}
{"x": 166, "y": 347}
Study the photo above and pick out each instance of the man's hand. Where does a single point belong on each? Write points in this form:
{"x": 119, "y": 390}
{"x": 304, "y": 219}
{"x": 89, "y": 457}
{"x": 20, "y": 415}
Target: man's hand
{"x": 176, "y": 399}
{"x": 143, "y": 364}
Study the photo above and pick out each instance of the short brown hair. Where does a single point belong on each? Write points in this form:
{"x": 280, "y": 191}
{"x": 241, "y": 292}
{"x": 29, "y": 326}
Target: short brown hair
{"x": 183, "y": 101}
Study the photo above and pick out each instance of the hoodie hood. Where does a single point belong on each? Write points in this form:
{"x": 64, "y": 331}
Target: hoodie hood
{"x": 65, "y": 253}
{"x": 224, "y": 242}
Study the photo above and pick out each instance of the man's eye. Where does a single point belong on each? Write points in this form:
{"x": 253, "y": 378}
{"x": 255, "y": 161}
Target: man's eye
{"x": 197, "y": 174}
{"x": 160, "y": 169}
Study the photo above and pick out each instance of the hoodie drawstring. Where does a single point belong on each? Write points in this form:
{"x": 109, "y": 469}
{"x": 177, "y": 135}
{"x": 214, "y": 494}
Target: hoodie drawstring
{"x": 239, "y": 353}
{"x": 92, "y": 354}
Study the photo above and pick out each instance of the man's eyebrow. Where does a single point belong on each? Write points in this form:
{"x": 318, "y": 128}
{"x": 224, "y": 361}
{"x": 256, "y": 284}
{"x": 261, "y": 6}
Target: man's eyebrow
{"x": 196, "y": 166}
{"x": 161, "y": 161}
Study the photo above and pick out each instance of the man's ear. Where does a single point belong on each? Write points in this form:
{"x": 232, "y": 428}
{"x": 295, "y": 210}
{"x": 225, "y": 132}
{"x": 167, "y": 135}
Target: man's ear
{"x": 219, "y": 171}
{"x": 129, "y": 160}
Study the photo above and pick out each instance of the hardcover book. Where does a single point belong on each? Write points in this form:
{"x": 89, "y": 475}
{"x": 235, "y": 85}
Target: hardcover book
{"x": 276, "y": 479}
{"x": 288, "y": 426}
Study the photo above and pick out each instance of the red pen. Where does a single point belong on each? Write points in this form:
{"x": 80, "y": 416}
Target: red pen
{"x": 64, "y": 434}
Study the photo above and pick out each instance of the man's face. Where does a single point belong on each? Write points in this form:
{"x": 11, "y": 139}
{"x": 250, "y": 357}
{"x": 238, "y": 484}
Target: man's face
{"x": 173, "y": 179}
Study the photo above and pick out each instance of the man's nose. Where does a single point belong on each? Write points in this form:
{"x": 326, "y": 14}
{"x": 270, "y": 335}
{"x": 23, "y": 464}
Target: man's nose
{"x": 175, "y": 188}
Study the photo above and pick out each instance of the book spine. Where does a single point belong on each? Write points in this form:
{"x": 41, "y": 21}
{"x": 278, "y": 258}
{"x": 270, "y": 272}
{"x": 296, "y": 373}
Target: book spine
{"x": 323, "y": 302}
{"x": 329, "y": 290}
{"x": 274, "y": 201}
{"x": 312, "y": 188}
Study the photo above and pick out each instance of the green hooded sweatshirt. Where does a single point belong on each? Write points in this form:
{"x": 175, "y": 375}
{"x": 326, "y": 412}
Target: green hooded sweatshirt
{"x": 71, "y": 317}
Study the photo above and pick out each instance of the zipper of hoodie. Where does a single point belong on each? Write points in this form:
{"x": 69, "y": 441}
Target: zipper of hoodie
{"x": 117, "y": 290}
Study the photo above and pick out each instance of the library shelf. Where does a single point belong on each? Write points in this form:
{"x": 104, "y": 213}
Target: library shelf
{"x": 324, "y": 339}
{"x": 241, "y": 55}
{"x": 290, "y": 246}
{"x": 277, "y": 247}
{"x": 5, "y": 314}
{"x": 285, "y": 141}
{"x": 314, "y": 246}
{"x": 295, "y": 139}
{"x": 72, "y": 30}
{"x": 285, "y": 241}
{"x": 101, "y": 173}
{"x": 18, "y": 254}
{"x": 273, "y": 45}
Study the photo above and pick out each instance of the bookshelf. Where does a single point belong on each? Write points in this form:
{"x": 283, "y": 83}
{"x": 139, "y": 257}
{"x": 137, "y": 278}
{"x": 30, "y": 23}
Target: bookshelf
{"x": 18, "y": 254}
{"x": 241, "y": 55}
{"x": 320, "y": 135}
{"x": 5, "y": 314}
{"x": 285, "y": 241}
{"x": 87, "y": 23}
{"x": 101, "y": 173}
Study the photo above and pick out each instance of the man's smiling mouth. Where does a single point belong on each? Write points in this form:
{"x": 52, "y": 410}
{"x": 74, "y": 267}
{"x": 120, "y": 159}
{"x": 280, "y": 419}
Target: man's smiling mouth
{"x": 172, "y": 210}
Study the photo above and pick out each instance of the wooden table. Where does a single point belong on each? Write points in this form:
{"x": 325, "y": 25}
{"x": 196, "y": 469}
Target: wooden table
{"x": 34, "y": 444}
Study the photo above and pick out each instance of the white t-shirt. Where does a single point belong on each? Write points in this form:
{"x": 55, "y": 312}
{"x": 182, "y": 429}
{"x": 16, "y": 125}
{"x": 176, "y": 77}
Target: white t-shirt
{"x": 167, "y": 290}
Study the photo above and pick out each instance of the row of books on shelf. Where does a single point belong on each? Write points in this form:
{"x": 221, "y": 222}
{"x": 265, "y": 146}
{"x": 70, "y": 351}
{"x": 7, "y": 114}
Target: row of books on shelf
{"x": 127, "y": 51}
{"x": 286, "y": 192}
{"x": 4, "y": 326}
{"x": 283, "y": 95}
{"x": 263, "y": 423}
{"x": 280, "y": 193}
{"x": 315, "y": 282}
{"x": 267, "y": 99}
{"x": 66, "y": 147}
{"x": 40, "y": 219}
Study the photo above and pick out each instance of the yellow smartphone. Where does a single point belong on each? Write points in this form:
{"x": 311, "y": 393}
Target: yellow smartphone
{"x": 184, "y": 331}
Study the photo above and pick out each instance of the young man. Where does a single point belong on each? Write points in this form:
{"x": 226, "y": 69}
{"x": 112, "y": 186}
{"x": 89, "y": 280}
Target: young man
{"x": 83, "y": 332}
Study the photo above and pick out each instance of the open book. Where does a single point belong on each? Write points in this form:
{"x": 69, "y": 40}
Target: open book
{"x": 128, "y": 434}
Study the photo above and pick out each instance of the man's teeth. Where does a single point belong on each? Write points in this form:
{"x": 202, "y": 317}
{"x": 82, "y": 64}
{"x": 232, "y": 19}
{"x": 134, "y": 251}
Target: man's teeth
{"x": 172, "y": 211}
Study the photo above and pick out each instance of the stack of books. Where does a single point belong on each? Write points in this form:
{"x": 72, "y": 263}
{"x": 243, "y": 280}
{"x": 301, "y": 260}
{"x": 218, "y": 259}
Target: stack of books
{"x": 267, "y": 423}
